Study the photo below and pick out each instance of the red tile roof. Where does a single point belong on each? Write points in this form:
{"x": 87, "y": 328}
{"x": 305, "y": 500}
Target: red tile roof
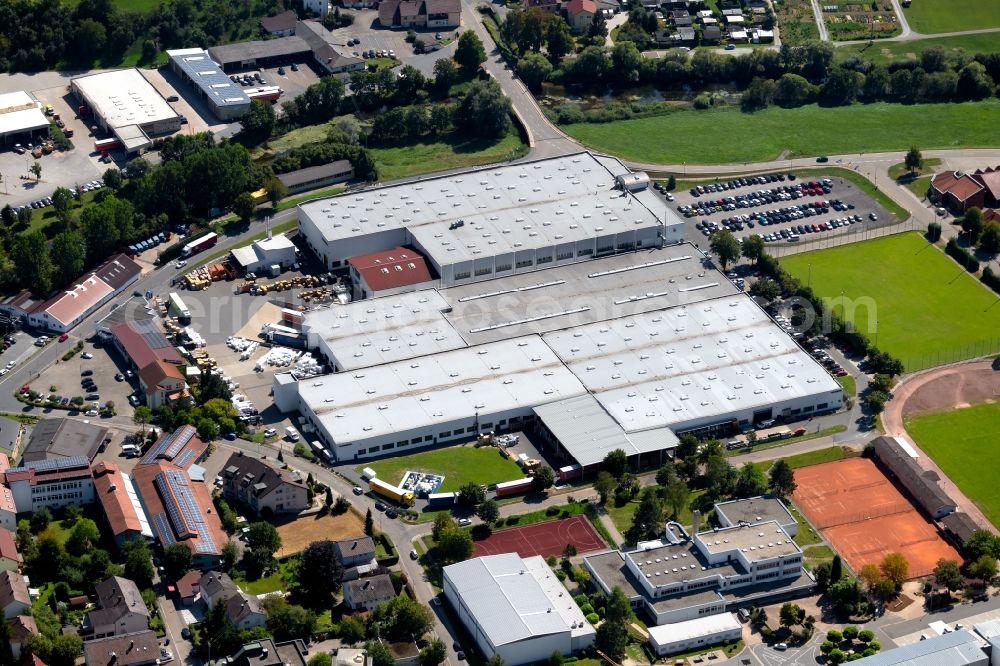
{"x": 13, "y": 588}
{"x": 109, "y": 486}
{"x": 959, "y": 185}
{"x": 398, "y": 267}
{"x": 990, "y": 178}
{"x": 8, "y": 547}
{"x": 21, "y": 627}
{"x": 143, "y": 342}
{"x": 189, "y": 584}
{"x": 155, "y": 374}
{"x": 574, "y": 7}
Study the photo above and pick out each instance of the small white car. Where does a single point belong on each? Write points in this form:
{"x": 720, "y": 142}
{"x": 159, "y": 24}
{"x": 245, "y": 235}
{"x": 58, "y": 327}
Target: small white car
{"x": 181, "y": 264}
{"x": 86, "y": 356}
{"x": 91, "y": 412}
{"x": 464, "y": 522}
{"x": 270, "y": 432}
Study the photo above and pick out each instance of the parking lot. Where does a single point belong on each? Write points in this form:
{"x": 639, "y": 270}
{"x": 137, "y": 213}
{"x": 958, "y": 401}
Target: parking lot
{"x": 781, "y": 208}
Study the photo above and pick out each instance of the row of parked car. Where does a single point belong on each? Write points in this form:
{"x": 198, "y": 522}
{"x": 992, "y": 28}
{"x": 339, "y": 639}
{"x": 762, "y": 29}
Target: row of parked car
{"x": 378, "y": 53}
{"x": 758, "y": 198}
{"x": 146, "y": 244}
{"x": 792, "y": 233}
{"x": 823, "y": 357}
{"x": 254, "y": 79}
{"x": 45, "y": 202}
{"x": 737, "y": 183}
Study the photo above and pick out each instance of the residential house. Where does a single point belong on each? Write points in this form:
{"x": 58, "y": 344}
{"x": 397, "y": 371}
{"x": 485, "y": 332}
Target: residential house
{"x": 319, "y": 7}
{"x": 961, "y": 190}
{"x": 684, "y": 36}
{"x": 138, "y": 649}
{"x": 163, "y": 384}
{"x": 711, "y": 34}
{"x": 21, "y": 627}
{"x": 188, "y": 587}
{"x": 119, "y": 500}
{"x": 367, "y": 594}
{"x": 420, "y": 13}
{"x": 580, "y": 14}
{"x": 681, "y": 18}
{"x": 245, "y": 611}
{"x": 10, "y": 559}
{"x": 355, "y": 552}
{"x": 216, "y": 587}
{"x": 263, "y": 486}
{"x": 14, "y": 598}
{"x": 280, "y": 25}
{"x": 8, "y": 507}
{"x": 122, "y": 610}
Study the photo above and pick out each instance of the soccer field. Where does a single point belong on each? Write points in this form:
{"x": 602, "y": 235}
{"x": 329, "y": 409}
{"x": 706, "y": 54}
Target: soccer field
{"x": 962, "y": 443}
{"x": 931, "y": 16}
{"x": 458, "y": 464}
{"x": 918, "y": 304}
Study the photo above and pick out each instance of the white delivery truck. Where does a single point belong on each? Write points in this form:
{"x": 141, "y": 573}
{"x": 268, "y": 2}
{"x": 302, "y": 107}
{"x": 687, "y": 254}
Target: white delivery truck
{"x": 292, "y": 434}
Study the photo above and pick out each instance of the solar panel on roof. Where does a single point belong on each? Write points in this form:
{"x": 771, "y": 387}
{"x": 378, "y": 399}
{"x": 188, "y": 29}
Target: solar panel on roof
{"x": 183, "y": 509}
{"x": 185, "y": 458}
{"x": 181, "y": 437}
{"x": 57, "y": 464}
{"x": 163, "y": 528}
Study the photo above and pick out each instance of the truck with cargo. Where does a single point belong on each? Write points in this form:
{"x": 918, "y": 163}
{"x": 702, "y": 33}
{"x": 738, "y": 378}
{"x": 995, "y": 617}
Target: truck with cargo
{"x": 395, "y": 493}
{"x": 570, "y": 472}
{"x": 104, "y": 145}
{"x": 516, "y": 487}
{"x": 441, "y": 500}
{"x": 199, "y": 244}
{"x": 177, "y": 306}
{"x": 292, "y": 434}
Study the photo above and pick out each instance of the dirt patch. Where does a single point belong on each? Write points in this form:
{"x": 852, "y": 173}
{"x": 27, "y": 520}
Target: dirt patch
{"x": 961, "y": 386}
{"x": 899, "y": 603}
{"x": 301, "y": 532}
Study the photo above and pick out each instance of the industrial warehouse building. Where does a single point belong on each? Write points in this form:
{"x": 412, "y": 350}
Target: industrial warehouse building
{"x": 622, "y": 352}
{"x": 310, "y": 41}
{"x": 516, "y": 608}
{"x": 20, "y": 117}
{"x": 496, "y": 221}
{"x": 226, "y": 99}
{"x": 900, "y": 460}
{"x": 125, "y": 105}
{"x": 682, "y": 577}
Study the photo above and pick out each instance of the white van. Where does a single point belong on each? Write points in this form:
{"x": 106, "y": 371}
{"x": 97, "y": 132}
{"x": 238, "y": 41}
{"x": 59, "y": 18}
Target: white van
{"x": 130, "y": 450}
{"x": 292, "y": 434}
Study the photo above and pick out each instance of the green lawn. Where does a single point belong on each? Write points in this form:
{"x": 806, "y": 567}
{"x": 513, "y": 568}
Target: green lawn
{"x": 924, "y": 309}
{"x": 448, "y": 152}
{"x": 919, "y": 186}
{"x": 805, "y": 535}
{"x": 621, "y": 516}
{"x": 458, "y": 464}
{"x": 809, "y": 458}
{"x": 888, "y": 52}
{"x": 916, "y": 182}
{"x": 680, "y": 136}
{"x": 292, "y": 202}
{"x": 962, "y": 442}
{"x": 850, "y": 386}
{"x": 930, "y": 16}
{"x": 897, "y": 171}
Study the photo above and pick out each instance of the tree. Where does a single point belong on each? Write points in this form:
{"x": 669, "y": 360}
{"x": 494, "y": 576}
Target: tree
{"x": 352, "y": 629}
{"x": 177, "y": 561}
{"x": 445, "y": 75}
{"x": 675, "y": 496}
{"x": 914, "y": 160}
{"x": 369, "y": 523}
{"x": 626, "y": 61}
{"x": 138, "y": 563}
{"x": 836, "y": 656}
{"x": 262, "y": 537}
{"x": 471, "y": 495}
{"x": 875, "y": 402}
{"x": 597, "y": 32}
{"x": 647, "y": 521}
{"x": 36, "y": 169}
{"x": 62, "y": 204}
{"x": 276, "y": 191}
{"x": 822, "y": 574}
{"x": 442, "y": 521}
{"x": 612, "y": 635}
{"x": 558, "y": 38}
{"x": 792, "y": 91}
{"x": 318, "y": 574}
{"x": 380, "y": 654}
{"x": 725, "y": 246}
{"x": 32, "y": 264}
{"x": 989, "y": 240}
{"x": 895, "y": 568}
{"x": 604, "y": 485}
{"x": 753, "y": 248}
{"x": 543, "y": 479}
{"x": 836, "y": 569}
{"x": 984, "y": 568}
{"x": 320, "y": 659}
{"x": 758, "y": 95}
{"x": 982, "y": 542}
{"x": 230, "y": 553}
{"x": 495, "y": 660}
{"x": 258, "y": 122}
{"x": 141, "y": 416}
{"x": 972, "y": 224}
{"x": 433, "y": 654}
{"x": 866, "y": 635}
{"x": 328, "y": 500}
{"x": 533, "y": 69}
{"x": 484, "y": 110}
{"x": 112, "y": 179}
{"x": 870, "y": 575}
{"x": 790, "y": 614}
{"x": 615, "y": 463}
{"x": 750, "y": 482}
{"x": 947, "y": 574}
{"x": 67, "y": 256}
{"x": 286, "y": 621}
{"x": 850, "y": 632}
{"x": 403, "y": 618}
{"x": 40, "y": 520}
{"x": 83, "y": 537}
{"x": 454, "y": 545}
{"x": 782, "y": 478}
{"x": 469, "y": 53}
{"x": 488, "y": 512}
{"x": 244, "y": 206}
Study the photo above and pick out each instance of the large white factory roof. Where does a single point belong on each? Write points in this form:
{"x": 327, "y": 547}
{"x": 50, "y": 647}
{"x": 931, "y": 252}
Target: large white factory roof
{"x": 123, "y": 97}
{"x": 514, "y": 599}
{"x": 686, "y": 363}
{"x": 495, "y": 210}
{"x": 20, "y": 113}
{"x": 438, "y": 389}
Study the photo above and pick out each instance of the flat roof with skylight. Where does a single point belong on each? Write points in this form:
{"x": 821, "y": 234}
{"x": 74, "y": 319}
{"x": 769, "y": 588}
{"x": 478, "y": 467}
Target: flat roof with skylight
{"x": 756, "y": 542}
{"x": 123, "y": 97}
{"x": 197, "y": 65}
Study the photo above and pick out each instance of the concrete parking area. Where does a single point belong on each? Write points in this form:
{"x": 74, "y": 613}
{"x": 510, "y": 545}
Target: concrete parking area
{"x": 856, "y": 202}
{"x": 188, "y": 104}
{"x": 292, "y": 82}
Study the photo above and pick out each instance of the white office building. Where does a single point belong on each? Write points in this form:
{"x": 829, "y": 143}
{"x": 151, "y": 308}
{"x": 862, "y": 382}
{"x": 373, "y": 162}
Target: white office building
{"x": 516, "y": 608}
{"x": 496, "y": 221}
{"x": 694, "y": 634}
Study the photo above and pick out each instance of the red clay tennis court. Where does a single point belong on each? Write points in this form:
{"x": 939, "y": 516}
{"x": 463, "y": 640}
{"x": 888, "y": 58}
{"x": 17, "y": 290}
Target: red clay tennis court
{"x": 865, "y": 516}
{"x": 548, "y": 538}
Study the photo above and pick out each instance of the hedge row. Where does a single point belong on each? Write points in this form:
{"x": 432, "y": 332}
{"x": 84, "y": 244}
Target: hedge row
{"x": 962, "y": 256}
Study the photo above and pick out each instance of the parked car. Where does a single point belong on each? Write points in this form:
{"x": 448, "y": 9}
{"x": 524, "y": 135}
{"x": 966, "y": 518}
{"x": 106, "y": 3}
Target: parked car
{"x": 91, "y": 413}
{"x": 821, "y": 159}
{"x": 357, "y": 490}
{"x": 86, "y": 356}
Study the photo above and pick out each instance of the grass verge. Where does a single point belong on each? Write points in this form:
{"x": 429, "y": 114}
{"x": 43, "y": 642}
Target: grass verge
{"x": 450, "y": 151}
{"x": 885, "y": 53}
{"x": 962, "y": 442}
{"x": 849, "y": 384}
{"x": 924, "y": 309}
{"x": 457, "y": 464}
{"x": 764, "y": 135}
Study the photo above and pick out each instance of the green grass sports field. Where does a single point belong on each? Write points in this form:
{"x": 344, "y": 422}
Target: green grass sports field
{"x": 931, "y": 16}
{"x": 925, "y": 305}
{"x": 962, "y": 442}
{"x": 458, "y": 464}
{"x": 681, "y": 136}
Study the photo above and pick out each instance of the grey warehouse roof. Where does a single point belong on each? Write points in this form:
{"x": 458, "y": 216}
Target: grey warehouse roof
{"x": 493, "y": 211}
{"x": 205, "y": 73}
{"x": 952, "y": 649}
{"x": 514, "y": 599}
{"x": 755, "y": 510}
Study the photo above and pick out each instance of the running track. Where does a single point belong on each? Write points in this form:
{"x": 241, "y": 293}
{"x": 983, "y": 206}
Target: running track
{"x": 548, "y": 538}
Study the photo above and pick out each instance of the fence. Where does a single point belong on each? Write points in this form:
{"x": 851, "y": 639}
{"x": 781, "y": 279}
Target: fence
{"x": 953, "y": 355}
{"x": 854, "y": 234}
{"x": 845, "y": 518}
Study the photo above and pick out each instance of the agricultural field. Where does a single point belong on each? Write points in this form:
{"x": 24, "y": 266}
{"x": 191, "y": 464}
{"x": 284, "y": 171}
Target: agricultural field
{"x": 962, "y": 443}
{"x": 888, "y": 52}
{"x": 926, "y": 309}
{"x": 679, "y": 136}
{"x": 932, "y": 16}
{"x": 796, "y": 21}
{"x": 457, "y": 464}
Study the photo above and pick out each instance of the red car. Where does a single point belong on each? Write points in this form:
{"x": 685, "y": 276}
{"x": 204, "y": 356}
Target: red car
{"x": 25, "y": 388}
{"x": 64, "y": 337}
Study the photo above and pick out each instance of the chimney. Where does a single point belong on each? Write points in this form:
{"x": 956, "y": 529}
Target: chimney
{"x": 695, "y": 521}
